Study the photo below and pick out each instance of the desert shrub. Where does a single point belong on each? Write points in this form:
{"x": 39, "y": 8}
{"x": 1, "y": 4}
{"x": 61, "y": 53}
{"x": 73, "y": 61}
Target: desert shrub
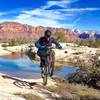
{"x": 89, "y": 72}
{"x": 96, "y": 43}
{"x": 60, "y": 36}
{"x": 4, "y": 45}
{"x": 29, "y": 96}
{"x": 14, "y": 42}
{"x": 89, "y": 42}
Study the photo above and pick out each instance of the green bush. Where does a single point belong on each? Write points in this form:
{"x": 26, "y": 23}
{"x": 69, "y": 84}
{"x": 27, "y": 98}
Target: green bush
{"x": 60, "y": 36}
{"x": 15, "y": 42}
{"x": 90, "y": 42}
{"x": 4, "y": 45}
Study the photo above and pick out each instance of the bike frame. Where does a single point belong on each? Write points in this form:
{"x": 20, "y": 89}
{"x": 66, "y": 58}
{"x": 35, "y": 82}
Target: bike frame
{"x": 46, "y": 66}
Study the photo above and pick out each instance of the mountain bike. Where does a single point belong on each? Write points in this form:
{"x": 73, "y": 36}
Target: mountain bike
{"x": 47, "y": 68}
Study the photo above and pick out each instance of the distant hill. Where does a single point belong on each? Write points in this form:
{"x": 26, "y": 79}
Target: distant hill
{"x": 15, "y": 30}
{"x": 9, "y": 30}
{"x": 89, "y": 34}
{"x": 96, "y": 35}
{"x": 84, "y": 36}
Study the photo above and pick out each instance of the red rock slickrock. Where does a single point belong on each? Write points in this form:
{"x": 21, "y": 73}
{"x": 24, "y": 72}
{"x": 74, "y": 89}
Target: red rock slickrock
{"x": 9, "y": 30}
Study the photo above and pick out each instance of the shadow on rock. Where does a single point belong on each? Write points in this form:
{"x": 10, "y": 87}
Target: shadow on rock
{"x": 21, "y": 84}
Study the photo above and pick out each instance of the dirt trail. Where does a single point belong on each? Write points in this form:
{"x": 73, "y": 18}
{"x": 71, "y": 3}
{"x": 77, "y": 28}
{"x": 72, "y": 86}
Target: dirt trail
{"x": 11, "y": 85}
{"x": 12, "y": 88}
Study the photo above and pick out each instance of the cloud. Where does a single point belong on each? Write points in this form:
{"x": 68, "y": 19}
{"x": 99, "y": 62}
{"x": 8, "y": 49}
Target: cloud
{"x": 2, "y": 13}
{"x": 54, "y": 17}
{"x": 44, "y": 17}
{"x": 62, "y": 3}
{"x": 32, "y": 20}
{"x": 24, "y": 16}
{"x": 51, "y": 14}
{"x": 37, "y": 17}
{"x": 75, "y": 22}
{"x": 79, "y": 9}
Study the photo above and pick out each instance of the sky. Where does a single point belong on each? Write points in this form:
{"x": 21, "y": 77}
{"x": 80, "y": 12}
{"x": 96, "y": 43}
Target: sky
{"x": 80, "y": 14}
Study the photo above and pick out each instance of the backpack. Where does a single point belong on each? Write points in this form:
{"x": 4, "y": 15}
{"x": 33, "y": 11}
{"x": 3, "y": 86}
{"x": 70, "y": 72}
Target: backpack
{"x": 43, "y": 51}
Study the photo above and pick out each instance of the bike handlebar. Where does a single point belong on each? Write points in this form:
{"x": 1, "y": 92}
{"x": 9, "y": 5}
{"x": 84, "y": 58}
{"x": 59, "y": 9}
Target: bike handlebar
{"x": 50, "y": 47}
{"x": 47, "y": 47}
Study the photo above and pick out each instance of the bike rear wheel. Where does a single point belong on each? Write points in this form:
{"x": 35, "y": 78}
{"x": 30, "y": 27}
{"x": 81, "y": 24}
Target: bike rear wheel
{"x": 51, "y": 71}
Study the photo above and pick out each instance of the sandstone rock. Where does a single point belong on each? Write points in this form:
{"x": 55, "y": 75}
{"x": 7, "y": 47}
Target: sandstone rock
{"x": 9, "y": 30}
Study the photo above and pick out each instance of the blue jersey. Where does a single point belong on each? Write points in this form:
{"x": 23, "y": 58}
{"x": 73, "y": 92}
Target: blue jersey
{"x": 42, "y": 42}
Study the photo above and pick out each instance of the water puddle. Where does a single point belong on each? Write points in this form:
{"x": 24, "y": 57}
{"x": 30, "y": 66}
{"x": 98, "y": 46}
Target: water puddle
{"x": 21, "y": 66}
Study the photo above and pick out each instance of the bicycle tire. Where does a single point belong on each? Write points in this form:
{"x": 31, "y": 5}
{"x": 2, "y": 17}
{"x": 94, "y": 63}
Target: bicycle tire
{"x": 45, "y": 72}
{"x": 51, "y": 71}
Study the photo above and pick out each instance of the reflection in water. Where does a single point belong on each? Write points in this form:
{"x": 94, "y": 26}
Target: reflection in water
{"x": 19, "y": 65}
{"x": 16, "y": 55}
{"x": 65, "y": 71}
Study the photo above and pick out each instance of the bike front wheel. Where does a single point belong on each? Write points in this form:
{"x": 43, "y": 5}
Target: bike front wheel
{"x": 51, "y": 70}
{"x": 45, "y": 75}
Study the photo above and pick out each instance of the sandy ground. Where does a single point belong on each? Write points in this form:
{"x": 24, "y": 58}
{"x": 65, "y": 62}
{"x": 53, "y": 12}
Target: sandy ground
{"x": 8, "y": 50}
{"x": 10, "y": 85}
{"x": 68, "y": 51}
{"x": 68, "y": 54}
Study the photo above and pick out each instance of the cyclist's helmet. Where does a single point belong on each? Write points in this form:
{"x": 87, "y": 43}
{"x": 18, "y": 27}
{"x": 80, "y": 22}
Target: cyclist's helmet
{"x": 47, "y": 33}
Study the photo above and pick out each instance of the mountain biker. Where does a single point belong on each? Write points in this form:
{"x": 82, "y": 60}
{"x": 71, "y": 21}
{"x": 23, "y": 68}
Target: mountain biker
{"x": 47, "y": 40}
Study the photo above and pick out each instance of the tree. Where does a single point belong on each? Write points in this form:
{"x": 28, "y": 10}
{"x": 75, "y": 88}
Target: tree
{"x": 12, "y": 42}
{"x": 60, "y": 36}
